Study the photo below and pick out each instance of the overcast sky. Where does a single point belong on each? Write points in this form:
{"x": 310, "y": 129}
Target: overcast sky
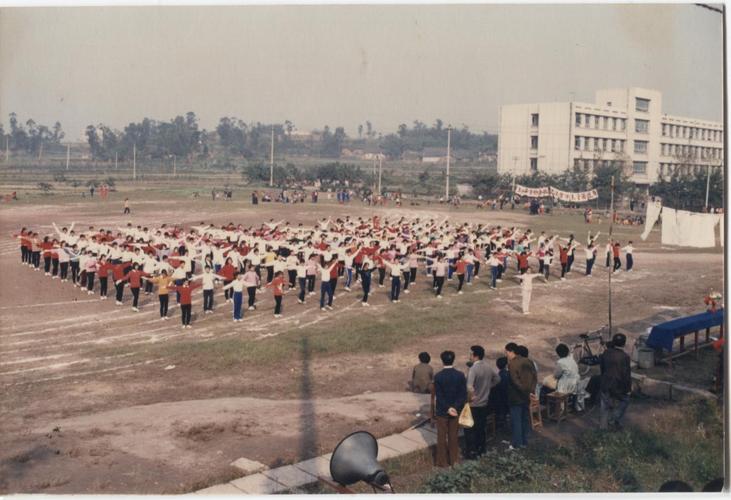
{"x": 343, "y": 65}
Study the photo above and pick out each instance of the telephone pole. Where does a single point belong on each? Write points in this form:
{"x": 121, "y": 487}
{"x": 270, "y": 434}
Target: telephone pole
{"x": 380, "y": 172}
{"x": 68, "y": 155}
{"x": 7, "y": 148}
{"x": 115, "y": 160}
{"x": 449, "y": 156}
{"x": 134, "y": 162}
{"x": 271, "y": 160}
{"x": 175, "y": 166}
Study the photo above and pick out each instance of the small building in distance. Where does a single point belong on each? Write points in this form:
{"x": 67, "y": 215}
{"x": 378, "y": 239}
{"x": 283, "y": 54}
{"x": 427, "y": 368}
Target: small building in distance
{"x": 622, "y": 127}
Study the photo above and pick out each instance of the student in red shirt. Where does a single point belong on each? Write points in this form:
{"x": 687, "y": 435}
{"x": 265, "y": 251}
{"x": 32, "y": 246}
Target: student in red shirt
{"x": 46, "y": 246}
{"x": 563, "y": 253}
{"x": 54, "y": 259}
{"x": 117, "y": 275}
{"x": 617, "y": 262}
{"x": 227, "y": 271}
{"x": 135, "y": 282}
{"x": 277, "y": 286}
{"x": 460, "y": 267}
{"x": 103, "y": 271}
{"x": 523, "y": 262}
{"x": 186, "y": 300}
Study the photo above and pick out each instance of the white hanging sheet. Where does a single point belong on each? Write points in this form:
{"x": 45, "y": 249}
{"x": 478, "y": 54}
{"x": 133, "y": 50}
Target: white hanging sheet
{"x": 651, "y": 216}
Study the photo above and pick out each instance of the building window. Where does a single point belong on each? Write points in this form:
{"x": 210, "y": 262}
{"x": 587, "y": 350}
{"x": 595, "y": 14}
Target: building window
{"x": 642, "y": 104}
{"x": 597, "y": 144}
{"x": 606, "y": 123}
{"x": 534, "y": 119}
{"x": 534, "y": 142}
{"x": 641, "y": 147}
{"x": 614, "y": 124}
{"x": 622, "y": 124}
{"x": 578, "y": 119}
{"x": 605, "y": 145}
{"x": 534, "y": 164}
{"x": 639, "y": 167}
{"x": 664, "y": 130}
{"x": 577, "y": 143}
{"x": 642, "y": 126}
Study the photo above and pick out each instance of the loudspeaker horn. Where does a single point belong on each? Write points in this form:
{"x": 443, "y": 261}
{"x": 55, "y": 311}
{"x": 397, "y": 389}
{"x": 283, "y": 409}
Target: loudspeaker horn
{"x": 354, "y": 459}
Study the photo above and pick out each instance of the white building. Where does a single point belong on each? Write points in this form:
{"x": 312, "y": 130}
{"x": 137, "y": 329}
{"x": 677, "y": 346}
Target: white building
{"x": 623, "y": 125}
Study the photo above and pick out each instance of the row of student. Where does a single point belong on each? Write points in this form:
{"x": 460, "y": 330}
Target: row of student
{"x": 175, "y": 253}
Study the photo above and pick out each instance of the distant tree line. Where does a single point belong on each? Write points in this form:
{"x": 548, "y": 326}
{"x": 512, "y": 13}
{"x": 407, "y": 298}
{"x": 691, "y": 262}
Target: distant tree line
{"x": 421, "y": 136}
{"x": 31, "y": 138}
{"x": 152, "y": 139}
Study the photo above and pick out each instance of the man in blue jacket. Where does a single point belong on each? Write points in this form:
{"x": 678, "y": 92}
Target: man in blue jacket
{"x": 450, "y": 389}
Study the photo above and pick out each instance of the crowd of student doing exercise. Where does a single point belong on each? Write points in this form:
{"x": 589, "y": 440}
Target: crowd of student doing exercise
{"x": 282, "y": 257}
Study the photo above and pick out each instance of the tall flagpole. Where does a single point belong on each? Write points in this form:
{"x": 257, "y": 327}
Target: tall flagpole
{"x": 611, "y": 268}
{"x": 271, "y": 160}
{"x": 449, "y": 156}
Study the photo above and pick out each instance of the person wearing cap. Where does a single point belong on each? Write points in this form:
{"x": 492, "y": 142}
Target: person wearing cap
{"x": 615, "y": 383}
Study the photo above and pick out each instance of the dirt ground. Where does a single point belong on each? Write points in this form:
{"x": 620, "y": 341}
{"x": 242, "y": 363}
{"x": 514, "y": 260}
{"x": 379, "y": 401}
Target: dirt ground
{"x": 75, "y": 421}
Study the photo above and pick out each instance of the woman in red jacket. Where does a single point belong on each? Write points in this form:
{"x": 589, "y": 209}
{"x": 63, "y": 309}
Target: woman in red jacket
{"x": 186, "y": 300}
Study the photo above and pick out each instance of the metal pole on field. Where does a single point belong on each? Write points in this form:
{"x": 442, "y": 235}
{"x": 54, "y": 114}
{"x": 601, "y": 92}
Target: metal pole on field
{"x": 134, "y": 162}
{"x": 7, "y": 148}
{"x": 449, "y": 155}
{"x": 380, "y": 173}
{"x": 40, "y": 151}
{"x": 175, "y": 166}
{"x": 115, "y": 160}
{"x": 374, "y": 175}
{"x": 611, "y": 267}
{"x": 68, "y": 155}
{"x": 271, "y": 160}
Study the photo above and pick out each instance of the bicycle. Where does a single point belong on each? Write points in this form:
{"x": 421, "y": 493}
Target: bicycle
{"x": 583, "y": 355}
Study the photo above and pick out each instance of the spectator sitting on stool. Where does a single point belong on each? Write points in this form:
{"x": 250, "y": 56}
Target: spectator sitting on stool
{"x": 565, "y": 376}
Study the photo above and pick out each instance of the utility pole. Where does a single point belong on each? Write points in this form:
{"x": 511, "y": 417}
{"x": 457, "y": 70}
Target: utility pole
{"x": 40, "y": 151}
{"x": 134, "y": 162}
{"x": 374, "y": 175}
{"x": 175, "y": 166}
{"x": 271, "y": 160}
{"x": 68, "y": 155}
{"x": 115, "y": 160}
{"x": 611, "y": 268}
{"x": 449, "y": 155}
{"x": 7, "y": 148}
{"x": 380, "y": 173}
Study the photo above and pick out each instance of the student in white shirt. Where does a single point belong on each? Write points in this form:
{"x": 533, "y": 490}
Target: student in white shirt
{"x": 630, "y": 259}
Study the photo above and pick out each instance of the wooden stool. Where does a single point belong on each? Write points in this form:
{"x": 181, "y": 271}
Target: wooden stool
{"x": 534, "y": 408}
{"x": 557, "y": 405}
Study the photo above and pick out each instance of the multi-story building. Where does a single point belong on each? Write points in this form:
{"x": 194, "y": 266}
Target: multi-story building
{"x": 623, "y": 127}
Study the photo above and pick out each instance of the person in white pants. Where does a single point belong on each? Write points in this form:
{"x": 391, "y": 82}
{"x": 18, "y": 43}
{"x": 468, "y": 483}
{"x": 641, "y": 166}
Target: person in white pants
{"x": 526, "y": 289}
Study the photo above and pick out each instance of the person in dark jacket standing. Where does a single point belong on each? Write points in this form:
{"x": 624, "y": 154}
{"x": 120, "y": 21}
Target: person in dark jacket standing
{"x": 450, "y": 390}
{"x": 523, "y": 379}
{"x": 615, "y": 383}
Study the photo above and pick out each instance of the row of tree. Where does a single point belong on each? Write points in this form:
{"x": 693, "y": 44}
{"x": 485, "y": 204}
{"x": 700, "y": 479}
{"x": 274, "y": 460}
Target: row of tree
{"x": 289, "y": 174}
{"x": 180, "y": 137}
{"x": 683, "y": 190}
{"x": 31, "y": 138}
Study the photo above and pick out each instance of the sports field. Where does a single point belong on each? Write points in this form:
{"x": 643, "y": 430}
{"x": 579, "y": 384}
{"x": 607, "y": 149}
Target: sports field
{"x": 100, "y": 399}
